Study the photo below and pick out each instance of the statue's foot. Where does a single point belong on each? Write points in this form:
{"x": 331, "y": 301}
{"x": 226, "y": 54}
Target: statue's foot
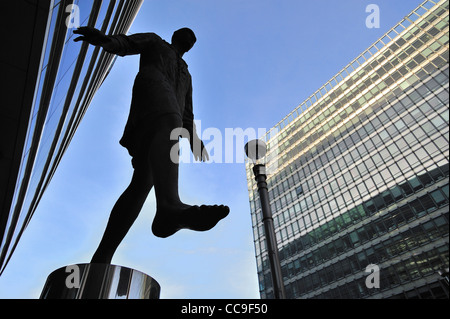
{"x": 199, "y": 218}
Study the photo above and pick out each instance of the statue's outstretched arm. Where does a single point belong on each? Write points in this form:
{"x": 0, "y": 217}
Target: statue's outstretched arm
{"x": 117, "y": 44}
{"x": 93, "y": 36}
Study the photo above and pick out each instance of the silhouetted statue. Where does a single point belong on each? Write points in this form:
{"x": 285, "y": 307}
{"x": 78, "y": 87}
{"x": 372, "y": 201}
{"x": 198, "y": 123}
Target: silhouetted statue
{"x": 161, "y": 102}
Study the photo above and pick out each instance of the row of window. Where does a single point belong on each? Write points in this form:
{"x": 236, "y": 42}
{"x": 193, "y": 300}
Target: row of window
{"x": 276, "y": 158}
{"x": 327, "y": 186}
{"x": 394, "y": 219}
{"x": 428, "y": 35}
{"x": 408, "y": 240}
{"x": 338, "y": 80}
{"x": 318, "y": 122}
{"x": 377, "y": 203}
{"x": 370, "y": 175}
{"x": 345, "y": 184}
{"x": 419, "y": 265}
{"x": 313, "y": 162}
{"x": 329, "y": 150}
{"x": 317, "y": 160}
{"x": 436, "y": 290}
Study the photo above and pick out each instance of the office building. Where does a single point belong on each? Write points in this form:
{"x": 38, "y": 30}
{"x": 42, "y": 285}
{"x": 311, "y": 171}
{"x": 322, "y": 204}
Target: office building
{"x": 49, "y": 82}
{"x": 360, "y": 174}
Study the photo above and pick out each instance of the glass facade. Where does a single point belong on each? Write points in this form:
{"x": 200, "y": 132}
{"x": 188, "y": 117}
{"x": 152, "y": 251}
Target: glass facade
{"x": 69, "y": 75}
{"x": 360, "y": 173}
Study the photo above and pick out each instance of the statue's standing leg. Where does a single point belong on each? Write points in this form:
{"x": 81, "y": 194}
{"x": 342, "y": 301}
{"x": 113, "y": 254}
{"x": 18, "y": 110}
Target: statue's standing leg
{"x": 172, "y": 214}
{"x": 124, "y": 213}
{"x": 165, "y": 170}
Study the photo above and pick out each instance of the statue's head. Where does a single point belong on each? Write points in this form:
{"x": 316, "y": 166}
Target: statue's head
{"x": 184, "y": 39}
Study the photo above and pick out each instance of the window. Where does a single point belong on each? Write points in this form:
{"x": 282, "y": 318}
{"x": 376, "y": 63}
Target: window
{"x": 428, "y": 203}
{"x": 412, "y": 160}
{"x": 425, "y": 179}
{"x": 378, "y": 179}
{"x": 438, "y": 121}
{"x": 362, "y": 235}
{"x": 442, "y": 225}
{"x": 438, "y": 197}
{"x": 354, "y": 238}
{"x": 387, "y": 197}
{"x": 417, "y": 207}
{"x": 415, "y": 184}
{"x": 430, "y": 229}
{"x": 307, "y": 220}
{"x": 396, "y": 193}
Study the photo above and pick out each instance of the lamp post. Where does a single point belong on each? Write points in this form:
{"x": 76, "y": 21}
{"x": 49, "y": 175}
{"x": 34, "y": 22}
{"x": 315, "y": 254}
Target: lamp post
{"x": 444, "y": 274}
{"x": 255, "y": 150}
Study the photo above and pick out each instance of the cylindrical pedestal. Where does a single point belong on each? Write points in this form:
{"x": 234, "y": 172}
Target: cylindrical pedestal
{"x": 99, "y": 281}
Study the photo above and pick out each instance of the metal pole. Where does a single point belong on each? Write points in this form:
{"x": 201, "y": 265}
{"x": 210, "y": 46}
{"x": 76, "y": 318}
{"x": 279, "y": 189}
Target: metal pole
{"x": 277, "y": 278}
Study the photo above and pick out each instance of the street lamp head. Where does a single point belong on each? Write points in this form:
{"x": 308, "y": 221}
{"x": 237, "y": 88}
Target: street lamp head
{"x": 255, "y": 149}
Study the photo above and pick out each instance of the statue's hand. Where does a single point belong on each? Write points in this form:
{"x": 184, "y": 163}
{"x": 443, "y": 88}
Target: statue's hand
{"x": 91, "y": 35}
{"x": 199, "y": 150}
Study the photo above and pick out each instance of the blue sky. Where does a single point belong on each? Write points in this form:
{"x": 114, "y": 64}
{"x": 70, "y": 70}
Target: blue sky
{"x": 253, "y": 63}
